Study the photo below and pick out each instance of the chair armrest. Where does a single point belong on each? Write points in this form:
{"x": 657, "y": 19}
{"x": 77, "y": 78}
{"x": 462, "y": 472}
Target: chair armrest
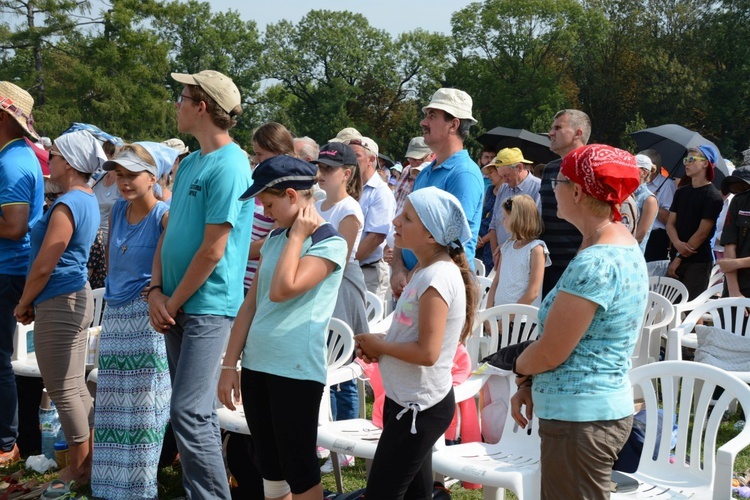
{"x": 469, "y": 387}
{"x": 674, "y": 343}
{"x": 348, "y": 372}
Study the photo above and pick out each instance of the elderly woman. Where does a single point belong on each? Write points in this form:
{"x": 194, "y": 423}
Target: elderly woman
{"x": 57, "y": 295}
{"x": 590, "y": 322}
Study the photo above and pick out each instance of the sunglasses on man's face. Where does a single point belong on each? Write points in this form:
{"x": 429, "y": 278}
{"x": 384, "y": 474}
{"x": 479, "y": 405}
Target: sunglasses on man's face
{"x": 692, "y": 159}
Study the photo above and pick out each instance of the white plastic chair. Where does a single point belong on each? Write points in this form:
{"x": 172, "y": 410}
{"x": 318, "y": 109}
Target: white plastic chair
{"x": 479, "y": 267}
{"x": 25, "y": 363}
{"x": 484, "y": 290}
{"x": 512, "y": 463}
{"x": 682, "y": 310}
{"x": 684, "y": 391}
{"x": 374, "y": 308}
{"x": 672, "y": 289}
{"x": 716, "y": 276}
{"x": 340, "y": 350}
{"x": 98, "y": 294}
{"x": 656, "y": 321}
{"x": 726, "y": 313}
{"x": 359, "y": 436}
{"x": 481, "y": 343}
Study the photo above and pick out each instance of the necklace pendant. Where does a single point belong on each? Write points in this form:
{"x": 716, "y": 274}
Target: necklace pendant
{"x": 124, "y": 248}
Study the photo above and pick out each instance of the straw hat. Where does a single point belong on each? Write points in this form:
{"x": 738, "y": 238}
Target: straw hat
{"x": 18, "y": 103}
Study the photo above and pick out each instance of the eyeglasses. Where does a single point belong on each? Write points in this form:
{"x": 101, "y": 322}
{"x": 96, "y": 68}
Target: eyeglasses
{"x": 557, "y": 182}
{"x": 6, "y": 103}
{"x": 691, "y": 159}
{"x": 182, "y": 97}
{"x": 508, "y": 204}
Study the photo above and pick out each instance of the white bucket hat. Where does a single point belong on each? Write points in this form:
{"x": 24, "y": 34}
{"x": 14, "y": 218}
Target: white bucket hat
{"x": 453, "y": 101}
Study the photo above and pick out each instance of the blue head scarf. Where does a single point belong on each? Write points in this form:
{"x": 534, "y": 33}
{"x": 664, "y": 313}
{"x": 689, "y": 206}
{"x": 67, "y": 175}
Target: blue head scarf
{"x": 442, "y": 215}
{"x": 164, "y": 156}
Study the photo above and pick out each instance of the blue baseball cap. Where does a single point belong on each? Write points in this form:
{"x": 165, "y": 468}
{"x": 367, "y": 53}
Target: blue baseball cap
{"x": 281, "y": 172}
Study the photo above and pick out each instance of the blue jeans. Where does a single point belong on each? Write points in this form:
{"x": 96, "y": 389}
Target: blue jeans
{"x": 345, "y": 400}
{"x": 194, "y": 348}
{"x": 11, "y": 288}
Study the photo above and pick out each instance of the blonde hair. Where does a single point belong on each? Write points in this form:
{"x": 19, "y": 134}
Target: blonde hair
{"x": 524, "y": 221}
{"x": 596, "y": 206}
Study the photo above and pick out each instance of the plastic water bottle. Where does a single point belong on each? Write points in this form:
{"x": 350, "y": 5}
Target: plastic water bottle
{"x": 49, "y": 426}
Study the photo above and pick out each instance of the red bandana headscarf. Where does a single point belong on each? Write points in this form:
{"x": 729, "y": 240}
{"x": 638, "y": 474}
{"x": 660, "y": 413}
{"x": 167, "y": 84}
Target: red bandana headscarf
{"x": 605, "y": 173}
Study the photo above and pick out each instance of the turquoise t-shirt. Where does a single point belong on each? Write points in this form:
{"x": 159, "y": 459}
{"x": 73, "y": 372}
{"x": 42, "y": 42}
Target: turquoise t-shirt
{"x": 21, "y": 182}
{"x": 593, "y": 384}
{"x": 70, "y": 274}
{"x": 207, "y": 189}
{"x": 288, "y": 338}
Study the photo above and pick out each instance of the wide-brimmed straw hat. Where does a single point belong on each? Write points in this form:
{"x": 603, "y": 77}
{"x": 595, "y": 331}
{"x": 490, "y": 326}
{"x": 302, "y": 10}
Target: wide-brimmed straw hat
{"x": 18, "y": 103}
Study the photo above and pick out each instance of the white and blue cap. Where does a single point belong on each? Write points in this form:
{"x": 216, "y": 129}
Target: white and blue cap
{"x": 442, "y": 215}
{"x": 129, "y": 160}
{"x": 281, "y": 172}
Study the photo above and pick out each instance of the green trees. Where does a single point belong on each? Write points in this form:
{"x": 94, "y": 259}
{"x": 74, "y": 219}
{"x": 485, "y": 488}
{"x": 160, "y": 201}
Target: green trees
{"x": 625, "y": 62}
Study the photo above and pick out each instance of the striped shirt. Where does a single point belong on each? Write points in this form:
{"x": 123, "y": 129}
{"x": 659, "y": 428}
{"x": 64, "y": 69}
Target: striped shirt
{"x": 262, "y": 225}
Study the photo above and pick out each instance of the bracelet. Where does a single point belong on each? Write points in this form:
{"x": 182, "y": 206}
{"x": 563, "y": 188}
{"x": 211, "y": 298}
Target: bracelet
{"x": 678, "y": 256}
{"x": 233, "y": 367}
{"x": 152, "y": 288}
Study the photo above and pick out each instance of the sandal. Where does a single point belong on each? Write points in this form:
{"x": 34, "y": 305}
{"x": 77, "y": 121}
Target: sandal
{"x": 57, "y": 489}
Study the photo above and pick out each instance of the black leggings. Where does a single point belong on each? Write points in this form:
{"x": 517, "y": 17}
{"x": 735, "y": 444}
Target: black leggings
{"x": 402, "y": 467}
{"x": 282, "y": 414}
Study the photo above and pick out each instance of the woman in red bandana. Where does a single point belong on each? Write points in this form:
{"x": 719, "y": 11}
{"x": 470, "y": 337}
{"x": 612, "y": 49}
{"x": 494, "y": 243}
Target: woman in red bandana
{"x": 575, "y": 377}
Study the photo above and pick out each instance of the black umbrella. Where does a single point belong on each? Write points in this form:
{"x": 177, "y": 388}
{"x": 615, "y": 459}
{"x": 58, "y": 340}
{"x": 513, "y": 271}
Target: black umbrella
{"x": 672, "y": 142}
{"x": 535, "y": 147}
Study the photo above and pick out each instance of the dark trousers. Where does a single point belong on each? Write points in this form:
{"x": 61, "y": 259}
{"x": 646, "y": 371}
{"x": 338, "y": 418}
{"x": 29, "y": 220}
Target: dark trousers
{"x": 11, "y": 288}
{"x": 657, "y": 247}
{"x": 282, "y": 414}
{"x": 402, "y": 467}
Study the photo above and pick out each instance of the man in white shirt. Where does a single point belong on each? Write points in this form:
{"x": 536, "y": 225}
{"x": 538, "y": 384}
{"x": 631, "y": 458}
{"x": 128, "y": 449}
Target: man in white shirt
{"x": 378, "y": 206}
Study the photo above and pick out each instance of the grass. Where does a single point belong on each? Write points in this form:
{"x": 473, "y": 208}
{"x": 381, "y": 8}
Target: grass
{"x": 170, "y": 478}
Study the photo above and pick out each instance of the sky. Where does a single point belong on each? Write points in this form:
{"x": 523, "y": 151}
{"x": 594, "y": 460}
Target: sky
{"x": 394, "y": 16}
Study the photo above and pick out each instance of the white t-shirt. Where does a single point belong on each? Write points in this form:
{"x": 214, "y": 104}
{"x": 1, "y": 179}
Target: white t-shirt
{"x": 340, "y": 211}
{"x": 406, "y": 383}
{"x": 515, "y": 268}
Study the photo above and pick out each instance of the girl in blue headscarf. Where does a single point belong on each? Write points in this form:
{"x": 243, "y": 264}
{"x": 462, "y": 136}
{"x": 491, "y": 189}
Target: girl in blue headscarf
{"x": 433, "y": 314}
{"x": 133, "y": 387}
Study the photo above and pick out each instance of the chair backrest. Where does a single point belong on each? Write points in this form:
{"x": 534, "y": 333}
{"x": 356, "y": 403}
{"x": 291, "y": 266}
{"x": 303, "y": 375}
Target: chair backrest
{"x": 716, "y": 276}
{"x": 681, "y": 310}
{"x": 20, "y": 342}
{"x": 374, "y": 308}
{"x": 656, "y": 321}
{"x": 684, "y": 390}
{"x": 340, "y": 344}
{"x": 479, "y": 267}
{"x": 484, "y": 289}
{"x": 727, "y": 313}
{"x": 500, "y": 326}
{"x": 98, "y": 294}
{"x": 672, "y": 289}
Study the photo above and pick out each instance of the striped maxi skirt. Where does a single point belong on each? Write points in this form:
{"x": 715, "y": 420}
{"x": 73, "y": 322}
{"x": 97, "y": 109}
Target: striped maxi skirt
{"x": 132, "y": 404}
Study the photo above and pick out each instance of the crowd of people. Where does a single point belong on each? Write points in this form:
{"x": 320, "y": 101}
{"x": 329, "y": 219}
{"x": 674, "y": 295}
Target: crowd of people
{"x": 222, "y": 271}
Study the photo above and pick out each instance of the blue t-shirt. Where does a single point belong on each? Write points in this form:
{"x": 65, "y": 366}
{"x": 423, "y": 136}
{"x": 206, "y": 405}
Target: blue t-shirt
{"x": 21, "y": 182}
{"x": 131, "y": 252}
{"x": 592, "y": 384}
{"x": 461, "y": 177}
{"x": 206, "y": 190}
{"x": 288, "y": 338}
{"x": 70, "y": 273}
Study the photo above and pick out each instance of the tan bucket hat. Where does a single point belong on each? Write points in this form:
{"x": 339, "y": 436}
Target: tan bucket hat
{"x": 453, "y": 101}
